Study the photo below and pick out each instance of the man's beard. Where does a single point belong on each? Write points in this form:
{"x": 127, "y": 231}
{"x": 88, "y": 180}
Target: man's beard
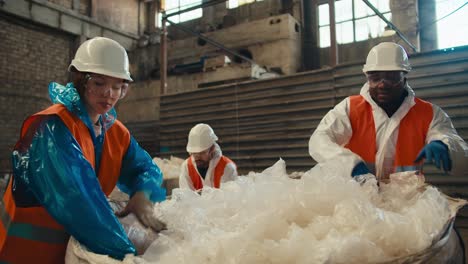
{"x": 202, "y": 163}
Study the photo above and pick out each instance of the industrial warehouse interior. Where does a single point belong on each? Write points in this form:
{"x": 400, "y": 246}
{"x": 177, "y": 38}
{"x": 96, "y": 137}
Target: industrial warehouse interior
{"x": 233, "y": 131}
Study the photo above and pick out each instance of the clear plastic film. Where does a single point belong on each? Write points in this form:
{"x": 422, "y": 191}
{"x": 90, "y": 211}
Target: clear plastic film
{"x": 323, "y": 217}
{"x": 170, "y": 167}
{"x": 141, "y": 236}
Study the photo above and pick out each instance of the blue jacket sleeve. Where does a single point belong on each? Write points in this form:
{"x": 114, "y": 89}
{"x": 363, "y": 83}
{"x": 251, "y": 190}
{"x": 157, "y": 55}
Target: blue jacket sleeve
{"x": 54, "y": 169}
{"x": 140, "y": 173}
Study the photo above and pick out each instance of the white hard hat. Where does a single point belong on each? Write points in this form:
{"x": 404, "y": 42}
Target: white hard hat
{"x": 200, "y": 138}
{"x": 387, "y": 56}
{"x": 103, "y": 56}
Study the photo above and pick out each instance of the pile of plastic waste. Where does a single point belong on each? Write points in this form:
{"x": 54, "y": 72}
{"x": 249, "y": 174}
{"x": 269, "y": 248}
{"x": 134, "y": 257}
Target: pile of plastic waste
{"x": 323, "y": 216}
{"x": 169, "y": 167}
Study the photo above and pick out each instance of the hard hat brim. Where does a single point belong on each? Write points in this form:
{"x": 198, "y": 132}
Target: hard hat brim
{"x": 99, "y": 70}
{"x": 370, "y": 68}
{"x": 193, "y": 149}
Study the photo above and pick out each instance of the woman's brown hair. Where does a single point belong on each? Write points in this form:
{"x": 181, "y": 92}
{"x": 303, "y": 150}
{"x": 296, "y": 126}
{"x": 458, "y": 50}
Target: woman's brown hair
{"x": 79, "y": 80}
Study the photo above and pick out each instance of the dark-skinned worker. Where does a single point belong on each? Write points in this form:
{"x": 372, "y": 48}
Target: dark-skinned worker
{"x": 386, "y": 128}
{"x": 69, "y": 158}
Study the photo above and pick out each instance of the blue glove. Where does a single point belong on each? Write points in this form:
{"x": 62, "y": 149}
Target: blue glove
{"x": 360, "y": 169}
{"x": 436, "y": 152}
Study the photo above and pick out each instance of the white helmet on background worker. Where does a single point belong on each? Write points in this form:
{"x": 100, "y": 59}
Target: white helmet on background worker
{"x": 103, "y": 56}
{"x": 387, "y": 56}
{"x": 200, "y": 138}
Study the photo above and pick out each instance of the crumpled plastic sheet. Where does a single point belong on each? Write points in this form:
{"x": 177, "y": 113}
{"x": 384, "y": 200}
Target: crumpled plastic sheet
{"x": 170, "y": 167}
{"x": 323, "y": 217}
{"x": 141, "y": 236}
{"x": 78, "y": 254}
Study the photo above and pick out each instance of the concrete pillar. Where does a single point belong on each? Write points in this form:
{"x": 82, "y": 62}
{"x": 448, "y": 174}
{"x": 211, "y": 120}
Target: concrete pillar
{"x": 405, "y": 17}
{"x": 76, "y": 4}
{"x": 428, "y": 29}
{"x": 93, "y": 9}
{"x": 310, "y": 50}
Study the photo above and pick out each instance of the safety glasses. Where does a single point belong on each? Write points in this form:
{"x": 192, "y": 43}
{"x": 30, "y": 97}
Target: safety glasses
{"x": 393, "y": 79}
{"x": 102, "y": 87}
{"x": 202, "y": 153}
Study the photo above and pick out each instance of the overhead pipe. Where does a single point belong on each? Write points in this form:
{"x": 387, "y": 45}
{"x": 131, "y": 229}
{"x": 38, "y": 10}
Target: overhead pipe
{"x": 390, "y": 25}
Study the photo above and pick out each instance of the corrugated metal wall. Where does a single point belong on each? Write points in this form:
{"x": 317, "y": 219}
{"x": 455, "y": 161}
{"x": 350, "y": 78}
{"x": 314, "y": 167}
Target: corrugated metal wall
{"x": 260, "y": 121}
{"x": 146, "y": 133}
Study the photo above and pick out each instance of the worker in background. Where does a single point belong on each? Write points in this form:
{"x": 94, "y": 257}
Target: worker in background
{"x": 69, "y": 158}
{"x": 206, "y": 165}
{"x": 386, "y": 129}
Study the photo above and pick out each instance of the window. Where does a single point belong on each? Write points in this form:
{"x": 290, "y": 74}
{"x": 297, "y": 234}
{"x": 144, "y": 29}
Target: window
{"x": 452, "y": 25}
{"x": 236, "y": 3}
{"x": 355, "y": 21}
{"x": 173, "y": 6}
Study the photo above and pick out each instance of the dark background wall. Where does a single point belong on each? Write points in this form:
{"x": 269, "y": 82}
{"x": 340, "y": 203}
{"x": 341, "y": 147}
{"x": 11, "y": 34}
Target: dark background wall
{"x": 30, "y": 57}
{"x": 82, "y": 6}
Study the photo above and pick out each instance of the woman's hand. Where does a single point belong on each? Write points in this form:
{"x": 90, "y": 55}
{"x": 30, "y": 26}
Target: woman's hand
{"x": 142, "y": 208}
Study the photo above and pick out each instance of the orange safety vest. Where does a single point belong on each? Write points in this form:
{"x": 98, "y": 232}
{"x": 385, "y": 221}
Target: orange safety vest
{"x": 411, "y": 133}
{"x": 218, "y": 172}
{"x": 31, "y": 235}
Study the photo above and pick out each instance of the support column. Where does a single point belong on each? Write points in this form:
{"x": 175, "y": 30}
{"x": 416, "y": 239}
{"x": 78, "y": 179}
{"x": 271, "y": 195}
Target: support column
{"x": 427, "y": 31}
{"x": 163, "y": 50}
{"x": 333, "y": 43}
{"x": 310, "y": 51}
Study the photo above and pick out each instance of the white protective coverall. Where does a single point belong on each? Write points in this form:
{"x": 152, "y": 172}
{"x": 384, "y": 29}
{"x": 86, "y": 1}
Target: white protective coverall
{"x": 230, "y": 172}
{"x": 334, "y": 132}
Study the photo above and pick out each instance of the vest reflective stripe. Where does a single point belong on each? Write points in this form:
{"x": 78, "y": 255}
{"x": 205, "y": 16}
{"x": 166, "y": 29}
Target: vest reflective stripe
{"x": 33, "y": 228}
{"x": 5, "y": 222}
{"x": 218, "y": 173}
{"x": 45, "y": 239}
{"x": 28, "y": 231}
{"x": 406, "y": 168}
{"x": 32, "y": 252}
{"x": 412, "y": 133}
{"x": 43, "y": 234}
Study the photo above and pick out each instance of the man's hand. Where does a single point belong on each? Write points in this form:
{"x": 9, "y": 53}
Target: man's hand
{"x": 142, "y": 208}
{"x": 436, "y": 152}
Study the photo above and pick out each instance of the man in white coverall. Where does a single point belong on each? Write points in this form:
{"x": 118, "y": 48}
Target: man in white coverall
{"x": 386, "y": 129}
{"x": 206, "y": 165}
